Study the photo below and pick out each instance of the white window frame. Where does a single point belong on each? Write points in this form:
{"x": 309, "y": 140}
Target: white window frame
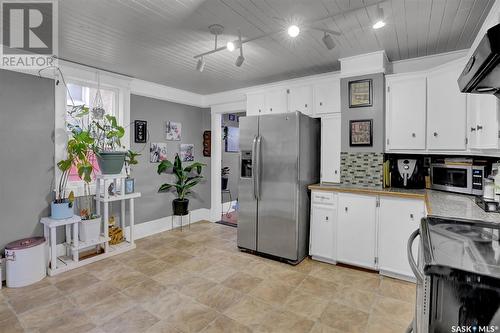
{"x": 87, "y": 77}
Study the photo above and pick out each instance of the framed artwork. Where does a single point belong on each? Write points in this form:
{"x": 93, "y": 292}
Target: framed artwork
{"x": 140, "y": 131}
{"x": 207, "y": 143}
{"x": 173, "y": 131}
{"x": 361, "y": 93}
{"x": 157, "y": 152}
{"x": 361, "y": 133}
{"x": 187, "y": 152}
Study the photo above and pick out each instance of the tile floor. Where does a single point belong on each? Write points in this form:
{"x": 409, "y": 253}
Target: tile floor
{"x": 197, "y": 281}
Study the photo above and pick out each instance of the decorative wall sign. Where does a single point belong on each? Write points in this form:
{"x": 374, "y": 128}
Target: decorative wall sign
{"x": 361, "y": 133}
{"x": 187, "y": 152}
{"x": 140, "y": 131}
{"x": 173, "y": 131}
{"x": 157, "y": 152}
{"x": 361, "y": 93}
{"x": 207, "y": 143}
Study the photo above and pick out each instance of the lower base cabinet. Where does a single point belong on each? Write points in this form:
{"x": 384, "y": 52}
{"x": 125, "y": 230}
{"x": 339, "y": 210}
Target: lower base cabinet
{"x": 369, "y": 231}
{"x": 398, "y": 218}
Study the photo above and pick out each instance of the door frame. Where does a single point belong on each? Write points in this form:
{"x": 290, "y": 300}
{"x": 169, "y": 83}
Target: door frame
{"x": 216, "y": 157}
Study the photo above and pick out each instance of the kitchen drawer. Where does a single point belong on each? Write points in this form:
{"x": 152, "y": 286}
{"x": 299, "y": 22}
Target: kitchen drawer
{"x": 327, "y": 198}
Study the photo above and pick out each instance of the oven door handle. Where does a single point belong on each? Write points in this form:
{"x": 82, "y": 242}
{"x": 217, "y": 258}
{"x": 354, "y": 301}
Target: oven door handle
{"x": 413, "y": 265}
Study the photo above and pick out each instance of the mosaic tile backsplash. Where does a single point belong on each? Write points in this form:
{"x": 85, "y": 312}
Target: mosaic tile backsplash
{"x": 362, "y": 169}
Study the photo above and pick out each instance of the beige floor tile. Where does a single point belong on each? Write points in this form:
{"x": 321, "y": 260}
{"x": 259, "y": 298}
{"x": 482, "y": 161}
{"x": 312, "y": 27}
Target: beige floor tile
{"x": 76, "y": 283}
{"x": 305, "y": 304}
{"x": 126, "y": 278}
{"x": 109, "y": 271}
{"x": 378, "y": 324}
{"x": 219, "y": 297}
{"x": 176, "y": 258}
{"x": 196, "y": 264}
{"x": 172, "y": 277}
{"x": 248, "y": 311}
{"x": 217, "y": 272}
{"x": 6, "y": 293}
{"x": 404, "y": 291}
{"x": 24, "y": 301}
{"x": 225, "y": 324}
{"x": 93, "y": 294}
{"x": 109, "y": 308}
{"x": 163, "y": 326}
{"x": 11, "y": 325}
{"x": 152, "y": 267}
{"x": 143, "y": 291}
{"x": 320, "y": 328}
{"x": 279, "y": 321}
{"x": 272, "y": 291}
{"x": 288, "y": 276}
{"x": 344, "y": 318}
{"x": 6, "y": 312}
{"x": 132, "y": 321}
{"x": 195, "y": 286}
{"x": 318, "y": 287}
{"x": 163, "y": 251}
{"x": 305, "y": 266}
{"x": 393, "y": 310}
{"x": 140, "y": 258}
{"x": 259, "y": 269}
{"x": 66, "y": 275}
{"x": 45, "y": 315}
{"x": 192, "y": 317}
{"x": 355, "y": 298}
{"x": 166, "y": 303}
{"x": 242, "y": 282}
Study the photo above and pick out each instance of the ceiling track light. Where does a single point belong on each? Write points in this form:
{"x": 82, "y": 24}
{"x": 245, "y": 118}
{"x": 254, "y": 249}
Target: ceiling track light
{"x": 379, "y": 22}
{"x": 240, "y": 59}
{"x": 328, "y": 41}
{"x": 293, "y": 31}
{"x": 200, "y": 66}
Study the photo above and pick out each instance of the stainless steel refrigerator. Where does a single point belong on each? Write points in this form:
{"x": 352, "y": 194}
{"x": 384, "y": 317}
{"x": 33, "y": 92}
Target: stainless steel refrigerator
{"x": 279, "y": 159}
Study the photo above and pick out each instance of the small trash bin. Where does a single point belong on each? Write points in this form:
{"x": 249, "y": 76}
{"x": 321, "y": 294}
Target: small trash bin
{"x": 25, "y": 261}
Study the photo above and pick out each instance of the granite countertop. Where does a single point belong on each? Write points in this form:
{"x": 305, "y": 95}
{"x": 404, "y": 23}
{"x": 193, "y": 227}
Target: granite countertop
{"x": 439, "y": 203}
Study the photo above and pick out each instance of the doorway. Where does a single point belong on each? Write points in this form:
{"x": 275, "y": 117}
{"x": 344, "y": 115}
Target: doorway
{"x": 230, "y": 167}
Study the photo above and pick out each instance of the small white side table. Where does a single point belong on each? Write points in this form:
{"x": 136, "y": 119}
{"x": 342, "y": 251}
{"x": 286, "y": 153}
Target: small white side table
{"x": 49, "y": 231}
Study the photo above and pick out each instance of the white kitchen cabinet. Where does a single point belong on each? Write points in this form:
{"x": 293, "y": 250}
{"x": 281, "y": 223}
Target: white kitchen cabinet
{"x": 268, "y": 102}
{"x": 356, "y": 229}
{"x": 446, "y": 110}
{"x": 323, "y": 226}
{"x": 327, "y": 97}
{"x": 330, "y": 148}
{"x": 300, "y": 99}
{"x": 406, "y": 112}
{"x": 256, "y": 103}
{"x": 398, "y": 218}
{"x": 483, "y": 121}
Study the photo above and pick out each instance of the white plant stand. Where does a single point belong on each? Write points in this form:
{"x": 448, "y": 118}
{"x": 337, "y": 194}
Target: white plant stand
{"x": 73, "y": 246}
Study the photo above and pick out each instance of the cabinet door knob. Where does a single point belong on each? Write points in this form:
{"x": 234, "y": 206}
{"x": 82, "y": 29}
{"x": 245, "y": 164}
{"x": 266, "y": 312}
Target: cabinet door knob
{"x": 320, "y": 103}
{"x": 479, "y": 127}
{"x": 413, "y": 135}
{"x": 335, "y": 171}
{"x": 411, "y": 216}
{"x": 260, "y": 110}
{"x": 435, "y": 134}
{"x": 472, "y": 129}
{"x": 270, "y": 109}
{"x": 346, "y": 209}
{"x": 305, "y": 105}
{"x": 326, "y": 218}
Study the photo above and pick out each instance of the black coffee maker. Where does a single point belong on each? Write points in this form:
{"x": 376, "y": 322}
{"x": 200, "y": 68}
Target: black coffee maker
{"x": 407, "y": 172}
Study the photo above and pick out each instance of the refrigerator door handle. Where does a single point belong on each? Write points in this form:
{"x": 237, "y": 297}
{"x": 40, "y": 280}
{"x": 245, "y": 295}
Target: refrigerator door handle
{"x": 254, "y": 168}
{"x": 257, "y": 167}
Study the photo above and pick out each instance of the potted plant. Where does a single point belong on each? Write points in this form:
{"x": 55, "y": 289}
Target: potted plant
{"x": 187, "y": 178}
{"x": 62, "y": 207}
{"x": 107, "y": 135}
{"x": 130, "y": 159}
{"x": 225, "y": 171}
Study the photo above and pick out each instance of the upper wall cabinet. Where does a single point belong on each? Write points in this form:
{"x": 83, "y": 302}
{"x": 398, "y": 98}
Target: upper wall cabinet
{"x": 300, "y": 99}
{"x": 327, "y": 97}
{"x": 272, "y": 101}
{"x": 482, "y": 121}
{"x": 405, "y": 112}
{"x": 446, "y": 110}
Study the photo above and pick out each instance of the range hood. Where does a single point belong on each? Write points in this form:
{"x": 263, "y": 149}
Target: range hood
{"x": 481, "y": 75}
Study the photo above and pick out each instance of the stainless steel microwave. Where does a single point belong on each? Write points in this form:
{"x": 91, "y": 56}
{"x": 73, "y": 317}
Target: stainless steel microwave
{"x": 468, "y": 179}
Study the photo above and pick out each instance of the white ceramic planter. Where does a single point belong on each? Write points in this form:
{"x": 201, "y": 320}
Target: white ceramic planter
{"x": 89, "y": 230}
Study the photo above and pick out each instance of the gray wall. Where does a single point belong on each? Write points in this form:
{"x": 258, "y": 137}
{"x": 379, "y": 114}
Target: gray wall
{"x": 27, "y": 153}
{"x": 153, "y": 205}
{"x": 375, "y": 112}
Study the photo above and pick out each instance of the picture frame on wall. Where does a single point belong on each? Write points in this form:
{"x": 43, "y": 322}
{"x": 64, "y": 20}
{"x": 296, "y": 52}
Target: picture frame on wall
{"x": 140, "y": 131}
{"x": 361, "y": 93}
{"x": 361, "y": 133}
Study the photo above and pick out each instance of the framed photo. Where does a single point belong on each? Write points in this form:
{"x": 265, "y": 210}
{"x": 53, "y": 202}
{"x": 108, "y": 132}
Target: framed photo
{"x": 157, "y": 152}
{"x": 173, "y": 131}
{"x": 361, "y": 93}
{"x": 140, "y": 131}
{"x": 187, "y": 152}
{"x": 361, "y": 133}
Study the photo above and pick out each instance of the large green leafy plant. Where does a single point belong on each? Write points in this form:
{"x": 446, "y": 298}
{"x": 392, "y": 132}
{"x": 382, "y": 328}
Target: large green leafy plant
{"x": 187, "y": 177}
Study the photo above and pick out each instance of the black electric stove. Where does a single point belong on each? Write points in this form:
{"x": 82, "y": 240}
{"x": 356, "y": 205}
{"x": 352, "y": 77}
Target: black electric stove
{"x": 460, "y": 260}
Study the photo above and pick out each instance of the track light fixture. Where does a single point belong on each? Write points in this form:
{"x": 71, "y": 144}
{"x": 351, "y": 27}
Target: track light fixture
{"x": 379, "y": 23}
{"x": 240, "y": 59}
{"x": 200, "y": 66}
{"x": 230, "y": 46}
{"x": 328, "y": 41}
{"x": 293, "y": 31}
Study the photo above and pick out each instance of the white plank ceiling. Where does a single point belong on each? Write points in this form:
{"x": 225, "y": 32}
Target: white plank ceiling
{"x": 156, "y": 40}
